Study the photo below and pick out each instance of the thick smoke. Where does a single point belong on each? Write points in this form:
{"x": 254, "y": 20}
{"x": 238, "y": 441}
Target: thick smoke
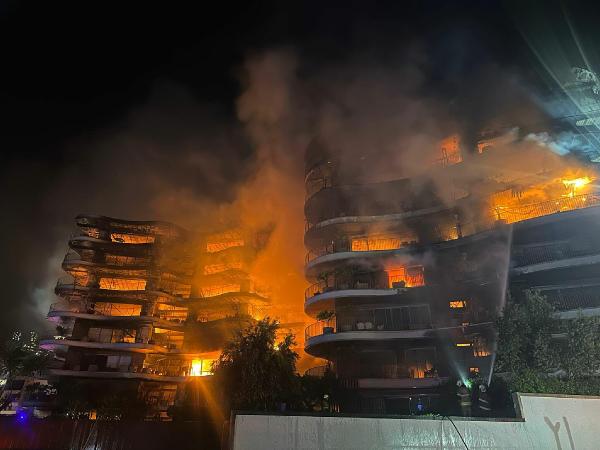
{"x": 173, "y": 158}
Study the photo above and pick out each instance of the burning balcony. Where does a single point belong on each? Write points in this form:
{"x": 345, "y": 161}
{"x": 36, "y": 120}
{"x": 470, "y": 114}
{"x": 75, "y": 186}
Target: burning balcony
{"x": 122, "y": 284}
{"x": 560, "y": 194}
{"x": 449, "y": 152}
{"x": 363, "y": 244}
{"x": 402, "y": 277}
{"x": 222, "y": 241}
{"x": 353, "y": 279}
{"x": 126, "y": 238}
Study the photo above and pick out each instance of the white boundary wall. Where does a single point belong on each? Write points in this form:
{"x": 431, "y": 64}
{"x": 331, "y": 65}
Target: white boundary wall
{"x": 548, "y": 422}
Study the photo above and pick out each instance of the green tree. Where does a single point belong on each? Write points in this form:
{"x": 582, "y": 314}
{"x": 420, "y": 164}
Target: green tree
{"x": 254, "y": 372}
{"x": 580, "y": 355}
{"x": 21, "y": 356}
{"x": 525, "y": 335}
{"x": 539, "y": 352}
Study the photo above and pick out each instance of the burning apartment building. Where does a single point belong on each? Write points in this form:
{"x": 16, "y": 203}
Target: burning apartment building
{"x": 408, "y": 271}
{"x": 147, "y": 306}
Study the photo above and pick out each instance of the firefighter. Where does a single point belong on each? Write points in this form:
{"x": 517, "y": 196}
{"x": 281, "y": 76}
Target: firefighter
{"x": 484, "y": 400}
{"x": 464, "y": 397}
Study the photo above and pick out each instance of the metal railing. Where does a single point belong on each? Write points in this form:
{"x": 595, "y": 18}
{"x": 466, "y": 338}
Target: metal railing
{"x": 520, "y": 213}
{"x": 368, "y": 321}
{"x": 323, "y": 286}
{"x": 315, "y": 186}
{"x": 359, "y": 245}
{"x": 574, "y": 298}
{"x": 319, "y": 371}
{"x": 551, "y": 251}
{"x": 319, "y": 328}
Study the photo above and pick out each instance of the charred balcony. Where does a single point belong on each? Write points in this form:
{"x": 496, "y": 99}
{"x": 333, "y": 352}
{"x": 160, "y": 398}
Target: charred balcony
{"x": 138, "y": 231}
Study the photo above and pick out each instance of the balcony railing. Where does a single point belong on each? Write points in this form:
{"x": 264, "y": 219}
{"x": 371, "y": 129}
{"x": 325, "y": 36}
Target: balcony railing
{"x": 574, "y": 298}
{"x": 552, "y": 251}
{"x": 520, "y": 213}
{"x": 323, "y": 287}
{"x": 360, "y": 245}
{"x": 367, "y": 321}
{"x": 319, "y": 371}
{"x": 316, "y": 185}
{"x": 402, "y": 370}
{"x": 319, "y": 328}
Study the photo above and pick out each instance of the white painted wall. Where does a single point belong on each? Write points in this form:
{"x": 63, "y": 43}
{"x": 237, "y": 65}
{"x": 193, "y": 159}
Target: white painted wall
{"x": 549, "y": 422}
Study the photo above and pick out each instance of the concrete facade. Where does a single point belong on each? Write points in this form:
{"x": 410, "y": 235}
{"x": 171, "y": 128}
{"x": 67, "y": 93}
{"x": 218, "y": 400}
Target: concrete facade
{"x": 546, "y": 422}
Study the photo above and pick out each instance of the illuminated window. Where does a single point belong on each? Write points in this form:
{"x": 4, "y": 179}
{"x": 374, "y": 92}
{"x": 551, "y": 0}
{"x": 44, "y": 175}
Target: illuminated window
{"x": 201, "y": 367}
{"x": 222, "y": 267}
{"x": 125, "y": 238}
{"x": 376, "y": 243}
{"x": 449, "y": 151}
{"x": 120, "y": 260}
{"x": 213, "y": 291}
{"x": 117, "y": 309}
{"x": 480, "y": 348}
{"x": 406, "y": 277}
{"x": 458, "y": 304}
{"x": 420, "y": 362}
{"x": 122, "y": 284}
{"x": 111, "y": 336}
{"x": 222, "y": 241}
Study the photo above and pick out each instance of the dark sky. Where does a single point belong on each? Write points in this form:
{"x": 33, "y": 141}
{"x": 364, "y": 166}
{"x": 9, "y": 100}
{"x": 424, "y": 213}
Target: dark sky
{"x": 73, "y": 72}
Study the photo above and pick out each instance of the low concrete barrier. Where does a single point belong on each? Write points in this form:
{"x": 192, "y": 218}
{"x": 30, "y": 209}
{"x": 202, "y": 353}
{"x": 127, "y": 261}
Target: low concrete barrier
{"x": 546, "y": 422}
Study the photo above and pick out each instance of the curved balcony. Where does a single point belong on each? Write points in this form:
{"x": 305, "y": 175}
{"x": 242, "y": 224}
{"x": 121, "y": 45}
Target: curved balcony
{"x": 151, "y": 227}
{"x": 85, "y": 242}
{"x": 320, "y": 335}
{"x": 70, "y": 287}
{"x": 357, "y": 223}
{"x": 110, "y": 314}
{"x": 321, "y": 295}
{"x": 74, "y": 264}
{"x": 135, "y": 347}
{"x": 553, "y": 255}
{"x": 335, "y": 252}
{"x": 116, "y": 375}
{"x": 318, "y": 371}
{"x": 535, "y": 210}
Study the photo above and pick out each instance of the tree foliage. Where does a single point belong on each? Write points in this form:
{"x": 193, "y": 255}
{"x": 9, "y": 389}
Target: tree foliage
{"x": 21, "y": 355}
{"x": 254, "y": 372}
{"x": 525, "y": 335}
{"x": 539, "y": 352}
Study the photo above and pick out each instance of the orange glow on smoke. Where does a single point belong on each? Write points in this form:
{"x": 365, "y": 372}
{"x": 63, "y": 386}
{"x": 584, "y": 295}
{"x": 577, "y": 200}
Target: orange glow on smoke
{"x": 407, "y": 276}
{"x": 449, "y": 151}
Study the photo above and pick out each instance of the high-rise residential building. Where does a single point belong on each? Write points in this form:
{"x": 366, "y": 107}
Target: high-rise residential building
{"x": 409, "y": 273}
{"x": 146, "y": 306}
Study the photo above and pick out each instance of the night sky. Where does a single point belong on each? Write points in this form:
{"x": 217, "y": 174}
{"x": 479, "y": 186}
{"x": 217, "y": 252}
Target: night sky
{"x": 106, "y": 103}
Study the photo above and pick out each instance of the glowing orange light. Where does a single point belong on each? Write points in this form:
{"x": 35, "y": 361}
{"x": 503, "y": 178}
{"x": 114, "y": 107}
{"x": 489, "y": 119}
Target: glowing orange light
{"x": 458, "y": 304}
{"x": 577, "y": 183}
{"x": 201, "y": 367}
{"x": 516, "y": 205}
{"x": 409, "y": 276}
